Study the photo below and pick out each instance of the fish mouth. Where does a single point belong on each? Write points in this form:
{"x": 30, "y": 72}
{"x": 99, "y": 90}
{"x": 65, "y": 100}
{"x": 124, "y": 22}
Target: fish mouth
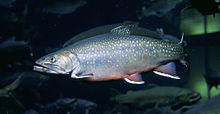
{"x": 194, "y": 98}
{"x": 49, "y": 68}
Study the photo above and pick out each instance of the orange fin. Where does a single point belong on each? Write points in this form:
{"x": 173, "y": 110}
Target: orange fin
{"x": 167, "y": 70}
{"x": 134, "y": 79}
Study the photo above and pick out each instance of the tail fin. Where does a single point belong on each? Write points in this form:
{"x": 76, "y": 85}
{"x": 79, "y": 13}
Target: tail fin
{"x": 181, "y": 40}
{"x": 184, "y": 61}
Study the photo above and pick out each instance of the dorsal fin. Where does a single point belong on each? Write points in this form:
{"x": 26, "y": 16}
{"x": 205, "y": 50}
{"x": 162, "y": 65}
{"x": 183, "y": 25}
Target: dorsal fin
{"x": 127, "y": 27}
{"x": 98, "y": 30}
{"x": 123, "y": 30}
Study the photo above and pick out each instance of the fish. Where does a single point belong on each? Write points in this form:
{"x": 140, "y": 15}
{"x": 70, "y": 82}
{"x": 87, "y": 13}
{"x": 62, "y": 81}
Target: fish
{"x": 30, "y": 111}
{"x": 4, "y": 92}
{"x": 210, "y": 106}
{"x": 13, "y": 53}
{"x": 11, "y": 42}
{"x": 158, "y": 8}
{"x": 69, "y": 105}
{"x": 7, "y": 16}
{"x": 63, "y": 7}
{"x": 34, "y": 78}
{"x": 157, "y": 96}
{"x": 114, "y": 55}
{"x": 7, "y": 3}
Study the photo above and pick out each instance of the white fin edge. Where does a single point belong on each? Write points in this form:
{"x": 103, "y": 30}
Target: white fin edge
{"x": 181, "y": 41}
{"x": 78, "y": 77}
{"x": 133, "y": 82}
{"x": 166, "y": 75}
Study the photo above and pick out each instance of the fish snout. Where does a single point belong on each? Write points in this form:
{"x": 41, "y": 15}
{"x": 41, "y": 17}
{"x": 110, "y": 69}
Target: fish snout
{"x": 194, "y": 97}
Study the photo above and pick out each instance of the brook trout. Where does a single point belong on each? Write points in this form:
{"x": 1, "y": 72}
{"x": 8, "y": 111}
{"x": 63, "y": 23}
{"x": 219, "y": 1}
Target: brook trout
{"x": 114, "y": 55}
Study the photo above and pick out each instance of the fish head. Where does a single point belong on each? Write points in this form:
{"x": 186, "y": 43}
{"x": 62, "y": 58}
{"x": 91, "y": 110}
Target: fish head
{"x": 189, "y": 96}
{"x": 186, "y": 97}
{"x": 61, "y": 62}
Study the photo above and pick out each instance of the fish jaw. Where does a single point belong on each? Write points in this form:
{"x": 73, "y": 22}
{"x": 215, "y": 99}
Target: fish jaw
{"x": 189, "y": 97}
{"x": 49, "y": 68}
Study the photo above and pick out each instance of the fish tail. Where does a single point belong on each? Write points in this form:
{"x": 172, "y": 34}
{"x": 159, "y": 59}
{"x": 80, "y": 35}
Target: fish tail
{"x": 181, "y": 40}
{"x": 185, "y": 61}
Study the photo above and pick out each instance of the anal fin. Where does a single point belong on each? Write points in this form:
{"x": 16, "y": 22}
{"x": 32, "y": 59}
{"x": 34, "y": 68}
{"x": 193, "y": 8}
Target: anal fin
{"x": 167, "y": 70}
{"x": 134, "y": 79}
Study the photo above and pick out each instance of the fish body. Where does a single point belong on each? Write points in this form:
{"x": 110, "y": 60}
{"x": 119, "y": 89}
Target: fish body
{"x": 4, "y": 92}
{"x": 6, "y": 3}
{"x": 8, "y": 16}
{"x": 159, "y": 7}
{"x": 13, "y": 52}
{"x": 69, "y": 105}
{"x": 63, "y": 7}
{"x": 11, "y": 42}
{"x": 114, "y": 55}
{"x": 210, "y": 106}
{"x": 159, "y": 96}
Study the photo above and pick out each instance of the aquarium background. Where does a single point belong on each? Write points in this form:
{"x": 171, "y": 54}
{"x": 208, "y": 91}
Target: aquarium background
{"x": 45, "y": 32}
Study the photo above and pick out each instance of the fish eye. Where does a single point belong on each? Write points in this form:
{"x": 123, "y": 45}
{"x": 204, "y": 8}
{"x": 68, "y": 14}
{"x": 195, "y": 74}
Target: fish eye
{"x": 53, "y": 59}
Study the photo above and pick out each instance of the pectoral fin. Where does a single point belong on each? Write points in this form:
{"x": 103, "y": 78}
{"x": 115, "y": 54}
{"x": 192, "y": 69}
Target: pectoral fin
{"x": 76, "y": 73}
{"x": 134, "y": 79}
{"x": 81, "y": 75}
{"x": 167, "y": 70}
